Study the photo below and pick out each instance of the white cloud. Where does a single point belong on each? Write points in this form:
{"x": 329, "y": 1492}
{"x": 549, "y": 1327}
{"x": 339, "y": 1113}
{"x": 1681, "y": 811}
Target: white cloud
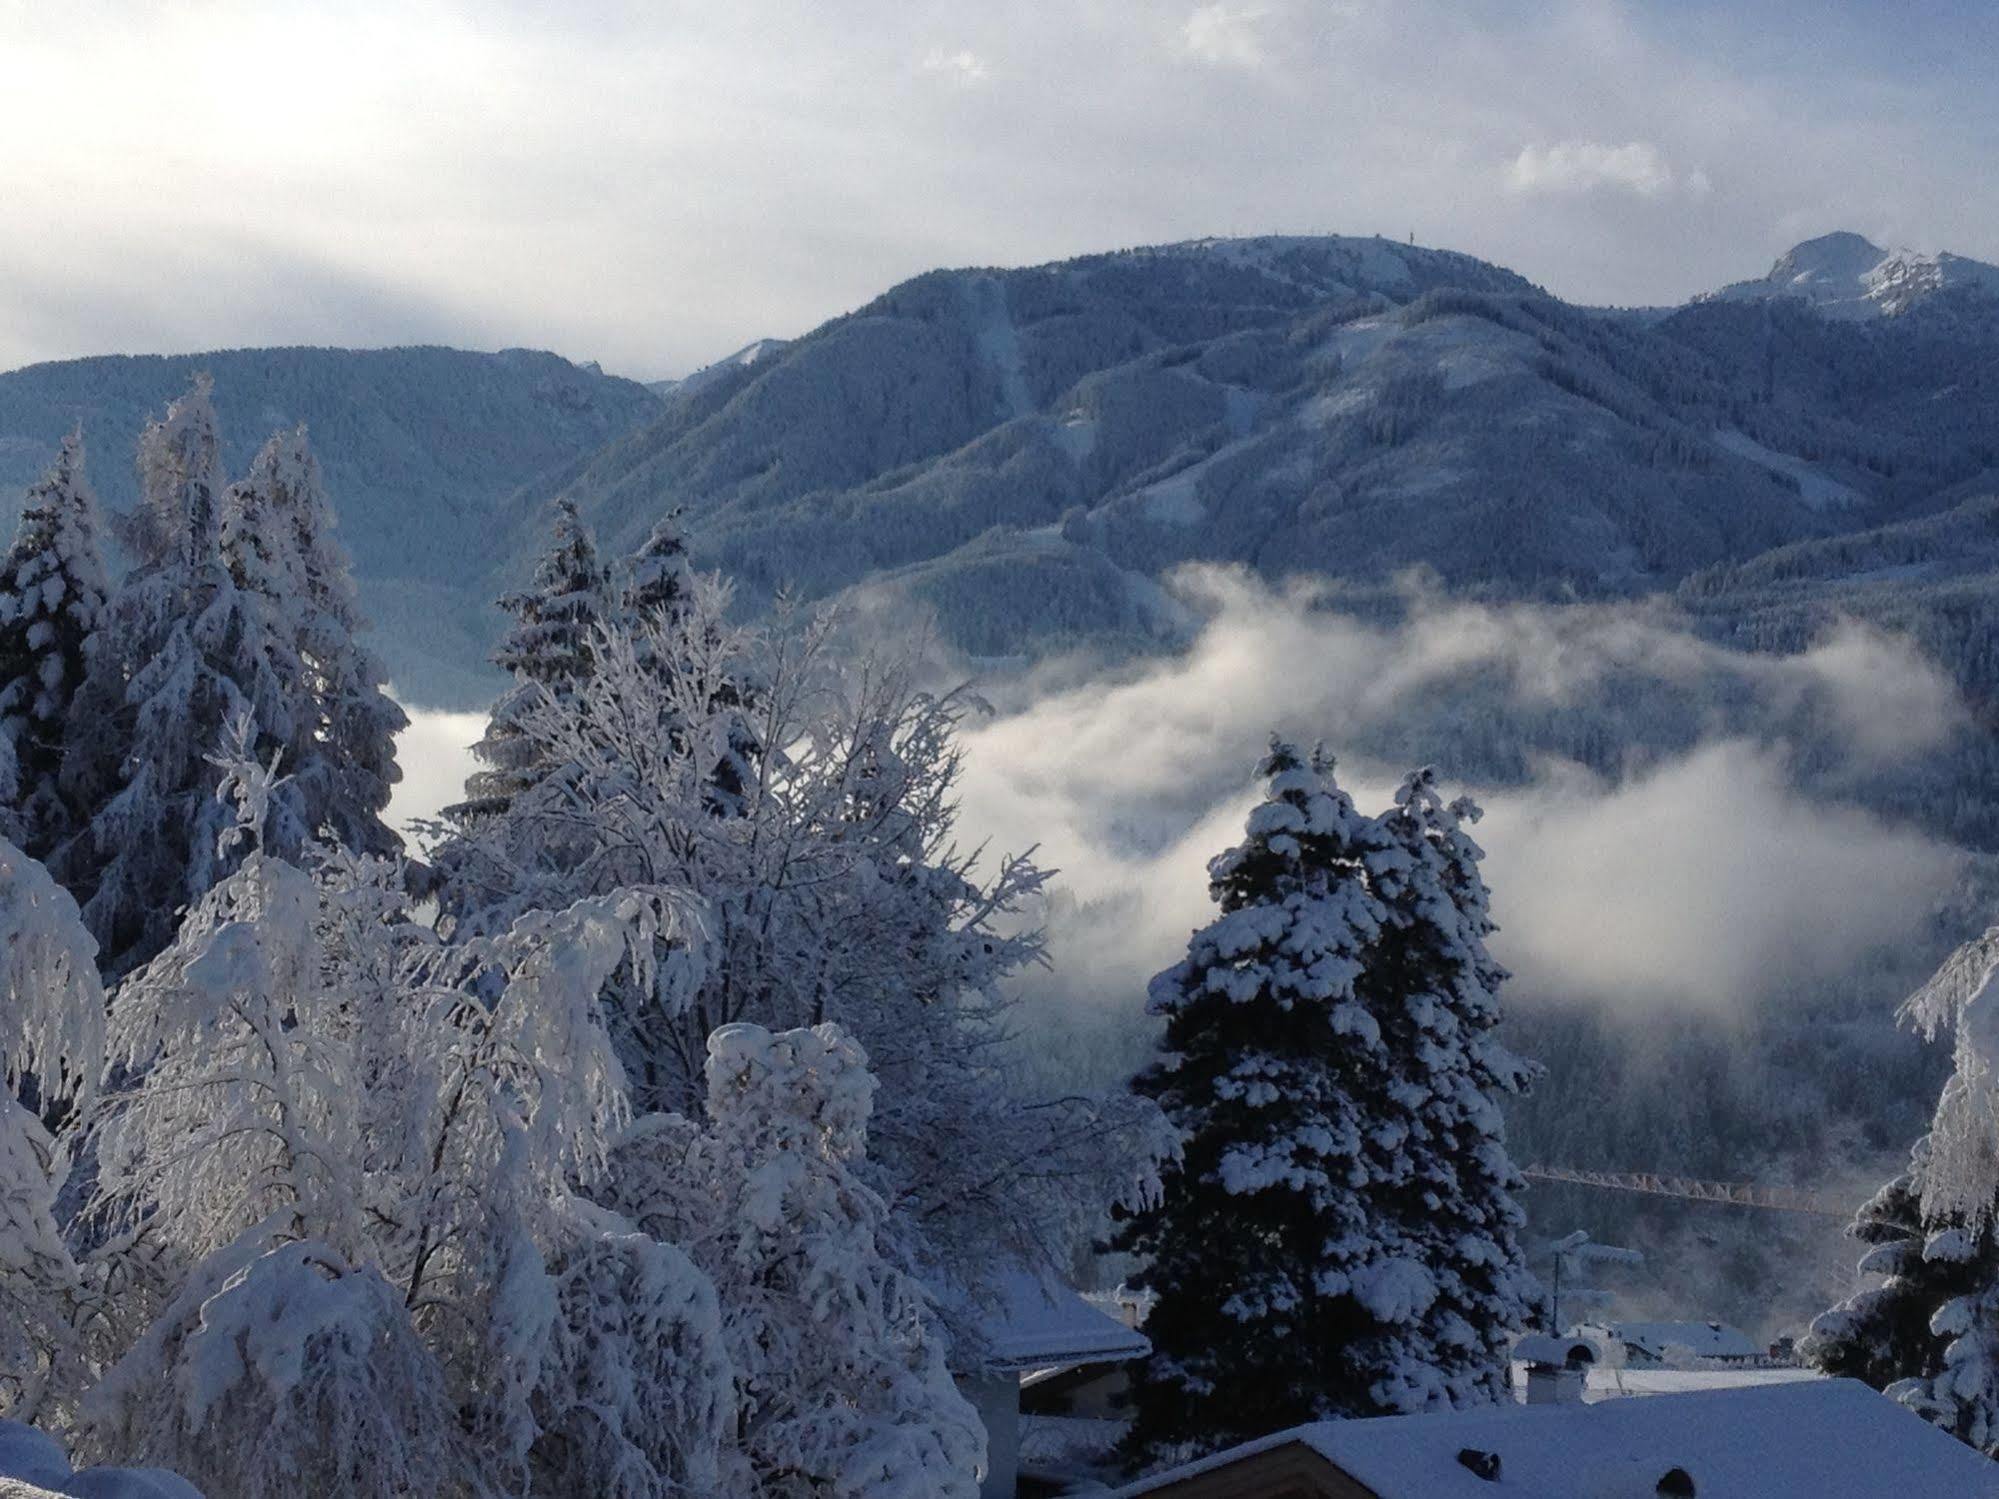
{"x": 435, "y": 753}
{"x": 1705, "y": 877}
{"x": 1570, "y": 167}
{"x": 1225, "y": 35}
{"x": 961, "y": 67}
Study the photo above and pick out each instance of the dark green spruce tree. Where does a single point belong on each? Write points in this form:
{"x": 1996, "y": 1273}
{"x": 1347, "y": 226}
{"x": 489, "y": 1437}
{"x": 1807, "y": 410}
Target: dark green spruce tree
{"x": 1928, "y": 1333}
{"x": 1882, "y": 1335}
{"x": 1442, "y": 1171}
{"x": 1340, "y": 1236}
{"x": 52, "y": 593}
{"x": 1260, "y": 1246}
{"x": 550, "y": 648}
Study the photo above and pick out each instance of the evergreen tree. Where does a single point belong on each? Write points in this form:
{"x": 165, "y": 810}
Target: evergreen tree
{"x": 1340, "y": 1236}
{"x": 550, "y": 649}
{"x": 182, "y": 656}
{"x": 1883, "y": 1335}
{"x": 278, "y": 536}
{"x": 52, "y": 595}
{"x": 1273, "y": 1279}
{"x": 1441, "y": 1157}
{"x": 1928, "y": 1335}
{"x": 660, "y": 579}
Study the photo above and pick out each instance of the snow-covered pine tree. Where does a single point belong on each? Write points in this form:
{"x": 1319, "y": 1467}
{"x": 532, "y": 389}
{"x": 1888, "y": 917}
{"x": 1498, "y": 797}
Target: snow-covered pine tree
{"x": 549, "y": 649}
{"x": 52, "y": 595}
{"x": 1882, "y": 1335}
{"x": 1929, "y": 1334}
{"x": 1438, "y": 1150}
{"x": 278, "y": 536}
{"x": 1280, "y": 1284}
{"x": 659, "y": 579}
{"x": 181, "y": 655}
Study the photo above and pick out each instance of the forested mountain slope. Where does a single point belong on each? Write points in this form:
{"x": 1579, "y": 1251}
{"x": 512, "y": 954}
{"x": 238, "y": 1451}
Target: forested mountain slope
{"x": 1024, "y": 452}
{"x": 419, "y": 446}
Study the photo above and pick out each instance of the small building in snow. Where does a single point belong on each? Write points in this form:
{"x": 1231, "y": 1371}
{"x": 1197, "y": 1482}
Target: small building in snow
{"x": 1035, "y": 1331}
{"x": 1812, "y": 1439}
{"x": 1652, "y": 1345}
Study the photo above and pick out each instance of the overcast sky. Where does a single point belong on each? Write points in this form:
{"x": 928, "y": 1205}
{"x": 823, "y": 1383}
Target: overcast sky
{"x": 654, "y": 184}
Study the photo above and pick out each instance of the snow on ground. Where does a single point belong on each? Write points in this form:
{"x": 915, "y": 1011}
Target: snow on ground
{"x": 1076, "y": 435}
{"x": 33, "y": 1465}
{"x": 1816, "y": 489}
{"x": 1610, "y": 1384}
{"x": 999, "y": 342}
{"x": 1175, "y": 501}
{"x": 1821, "y": 1439}
{"x": 1359, "y": 341}
{"x": 1469, "y": 350}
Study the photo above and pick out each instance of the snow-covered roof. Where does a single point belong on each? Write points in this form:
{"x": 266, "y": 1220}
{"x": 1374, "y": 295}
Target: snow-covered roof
{"x": 1539, "y": 1348}
{"x": 1040, "y": 1326}
{"x": 1702, "y": 1339}
{"x": 1820, "y": 1439}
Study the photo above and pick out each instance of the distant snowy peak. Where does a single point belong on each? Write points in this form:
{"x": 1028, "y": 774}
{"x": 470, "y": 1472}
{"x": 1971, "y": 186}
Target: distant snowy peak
{"x": 749, "y": 354}
{"x": 1846, "y": 275}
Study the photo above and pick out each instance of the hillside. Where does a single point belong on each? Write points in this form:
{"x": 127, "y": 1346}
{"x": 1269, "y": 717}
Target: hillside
{"x": 1024, "y": 453}
{"x": 419, "y": 447}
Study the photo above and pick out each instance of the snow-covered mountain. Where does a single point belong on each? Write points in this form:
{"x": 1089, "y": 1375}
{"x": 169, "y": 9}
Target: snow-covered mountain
{"x": 1026, "y": 452}
{"x": 1845, "y": 275}
{"x": 419, "y": 447}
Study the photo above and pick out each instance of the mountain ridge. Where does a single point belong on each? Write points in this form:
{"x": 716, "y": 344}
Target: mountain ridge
{"x": 1846, "y": 275}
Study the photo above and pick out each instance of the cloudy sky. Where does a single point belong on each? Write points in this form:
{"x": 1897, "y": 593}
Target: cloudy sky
{"x": 654, "y": 184}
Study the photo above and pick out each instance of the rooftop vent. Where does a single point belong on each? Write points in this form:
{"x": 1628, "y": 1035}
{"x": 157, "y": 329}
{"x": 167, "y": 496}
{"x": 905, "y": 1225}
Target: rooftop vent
{"x": 1486, "y": 1464}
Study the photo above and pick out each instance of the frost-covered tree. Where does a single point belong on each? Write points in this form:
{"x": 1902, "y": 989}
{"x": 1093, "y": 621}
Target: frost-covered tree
{"x": 835, "y": 893}
{"x": 662, "y": 596}
{"x": 1437, "y": 1138}
{"x": 278, "y": 538}
{"x": 1928, "y": 1334}
{"x": 279, "y": 1371}
{"x": 181, "y": 655}
{"x": 549, "y": 650}
{"x": 636, "y": 1397}
{"x": 239, "y": 1118}
{"x": 340, "y": 1181}
{"x": 51, "y": 1028}
{"x": 839, "y": 1362}
{"x": 52, "y": 595}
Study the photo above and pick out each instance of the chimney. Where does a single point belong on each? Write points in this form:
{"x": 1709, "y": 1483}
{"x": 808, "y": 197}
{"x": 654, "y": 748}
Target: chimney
{"x": 1554, "y": 1384}
{"x": 1677, "y": 1483}
{"x": 1555, "y": 1368}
